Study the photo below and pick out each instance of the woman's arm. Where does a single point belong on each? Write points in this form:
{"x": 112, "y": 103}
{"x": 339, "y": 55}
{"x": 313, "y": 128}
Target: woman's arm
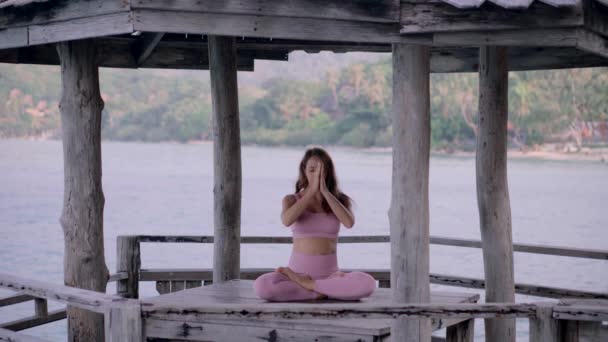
{"x": 342, "y": 213}
{"x": 292, "y": 208}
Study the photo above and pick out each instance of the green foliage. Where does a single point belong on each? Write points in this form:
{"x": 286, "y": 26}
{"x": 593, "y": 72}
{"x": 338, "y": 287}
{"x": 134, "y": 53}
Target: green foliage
{"x": 351, "y": 106}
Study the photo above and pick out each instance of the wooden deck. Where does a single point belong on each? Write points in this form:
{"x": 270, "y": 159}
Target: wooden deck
{"x": 171, "y": 326}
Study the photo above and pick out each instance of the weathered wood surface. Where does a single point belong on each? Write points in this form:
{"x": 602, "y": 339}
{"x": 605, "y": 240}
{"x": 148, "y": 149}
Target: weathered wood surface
{"x": 165, "y": 286}
{"x": 521, "y": 288}
{"x": 581, "y": 312}
{"x": 461, "y": 332}
{"x": 81, "y": 298}
{"x": 11, "y": 336}
{"x": 116, "y": 53}
{"x": 41, "y": 307}
{"x": 60, "y": 11}
{"x": 438, "y": 16}
{"x": 580, "y": 301}
{"x": 118, "y": 276}
{"x": 83, "y": 200}
{"x": 245, "y": 331}
{"x": 593, "y": 42}
{"x": 532, "y": 38}
{"x": 595, "y": 13}
{"x": 583, "y": 331}
{"x": 543, "y": 327}
{"x": 282, "y": 329}
{"x": 124, "y": 323}
{"x": 13, "y": 37}
{"x": 434, "y": 240}
{"x": 373, "y": 11}
{"x": 492, "y": 188}
{"x": 226, "y": 159}
{"x": 510, "y": 4}
{"x": 340, "y": 311}
{"x": 241, "y": 292}
{"x": 15, "y": 299}
{"x": 409, "y": 208}
{"x": 145, "y": 45}
{"x": 91, "y": 27}
{"x": 251, "y": 25}
{"x": 34, "y": 321}
{"x": 128, "y": 260}
{"x": 383, "y": 277}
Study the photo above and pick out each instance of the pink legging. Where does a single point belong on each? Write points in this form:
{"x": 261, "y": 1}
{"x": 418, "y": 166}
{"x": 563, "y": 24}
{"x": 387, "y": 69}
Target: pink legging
{"x": 324, "y": 270}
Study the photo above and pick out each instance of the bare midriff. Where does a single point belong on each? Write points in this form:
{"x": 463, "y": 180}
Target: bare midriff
{"x": 314, "y": 245}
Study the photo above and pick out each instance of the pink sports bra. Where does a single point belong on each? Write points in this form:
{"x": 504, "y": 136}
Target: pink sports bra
{"x": 311, "y": 224}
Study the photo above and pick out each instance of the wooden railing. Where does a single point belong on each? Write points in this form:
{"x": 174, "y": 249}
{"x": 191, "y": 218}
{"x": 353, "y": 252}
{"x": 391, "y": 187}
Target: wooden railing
{"x": 170, "y": 280}
{"x": 569, "y": 319}
{"x": 548, "y": 322}
{"x": 122, "y": 315}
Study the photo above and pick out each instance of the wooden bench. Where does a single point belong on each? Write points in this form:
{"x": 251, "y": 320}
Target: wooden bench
{"x": 160, "y": 326}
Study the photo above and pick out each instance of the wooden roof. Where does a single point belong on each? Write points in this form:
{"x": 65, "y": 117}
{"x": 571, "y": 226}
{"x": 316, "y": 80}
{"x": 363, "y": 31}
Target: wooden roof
{"x": 517, "y": 4}
{"x": 541, "y": 34}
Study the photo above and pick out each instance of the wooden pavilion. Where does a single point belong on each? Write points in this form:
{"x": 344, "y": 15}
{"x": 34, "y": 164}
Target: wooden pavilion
{"x": 489, "y": 37}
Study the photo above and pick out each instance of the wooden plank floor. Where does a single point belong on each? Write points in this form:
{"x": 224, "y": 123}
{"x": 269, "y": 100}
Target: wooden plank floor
{"x": 241, "y": 291}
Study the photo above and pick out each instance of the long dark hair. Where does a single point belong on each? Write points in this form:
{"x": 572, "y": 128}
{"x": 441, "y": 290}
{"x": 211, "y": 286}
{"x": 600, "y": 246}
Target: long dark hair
{"x": 330, "y": 177}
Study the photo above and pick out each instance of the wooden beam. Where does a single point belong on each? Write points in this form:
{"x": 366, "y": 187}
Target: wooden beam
{"x": 226, "y": 159}
{"x": 231, "y": 331}
{"x": 15, "y": 299}
{"x": 116, "y": 53}
{"x": 84, "y": 299}
{"x": 118, "y": 276}
{"x": 382, "y": 11}
{"x": 595, "y": 14}
{"x": 492, "y": 188}
{"x": 194, "y": 312}
{"x": 439, "y": 16}
{"x": 533, "y": 37}
{"x": 434, "y": 240}
{"x": 34, "y": 321}
{"x": 593, "y": 42}
{"x": 409, "y": 208}
{"x": 520, "y": 288}
{"x": 144, "y": 47}
{"x": 266, "y": 26}
{"x": 581, "y": 312}
{"x": 11, "y": 336}
{"x": 13, "y": 37}
{"x": 90, "y": 27}
{"x": 57, "y": 11}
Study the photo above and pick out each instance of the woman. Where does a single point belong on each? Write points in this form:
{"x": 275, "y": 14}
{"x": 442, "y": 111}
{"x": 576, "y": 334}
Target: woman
{"x": 315, "y": 212}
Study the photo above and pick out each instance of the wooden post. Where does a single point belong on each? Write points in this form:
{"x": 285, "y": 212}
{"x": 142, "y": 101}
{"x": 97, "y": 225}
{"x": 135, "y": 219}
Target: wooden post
{"x": 123, "y": 323}
{"x": 569, "y": 330}
{"x": 41, "y": 307}
{"x": 83, "y": 201}
{"x": 461, "y": 332}
{"x": 226, "y": 159}
{"x": 128, "y": 259}
{"x": 543, "y": 327}
{"x": 492, "y": 188}
{"x": 409, "y": 210}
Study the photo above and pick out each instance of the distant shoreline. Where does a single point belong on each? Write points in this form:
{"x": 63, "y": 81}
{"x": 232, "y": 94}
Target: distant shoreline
{"x": 599, "y": 154}
{"x": 544, "y": 152}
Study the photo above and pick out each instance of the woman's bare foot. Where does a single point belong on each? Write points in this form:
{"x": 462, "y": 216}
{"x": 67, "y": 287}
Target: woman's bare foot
{"x": 303, "y": 280}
